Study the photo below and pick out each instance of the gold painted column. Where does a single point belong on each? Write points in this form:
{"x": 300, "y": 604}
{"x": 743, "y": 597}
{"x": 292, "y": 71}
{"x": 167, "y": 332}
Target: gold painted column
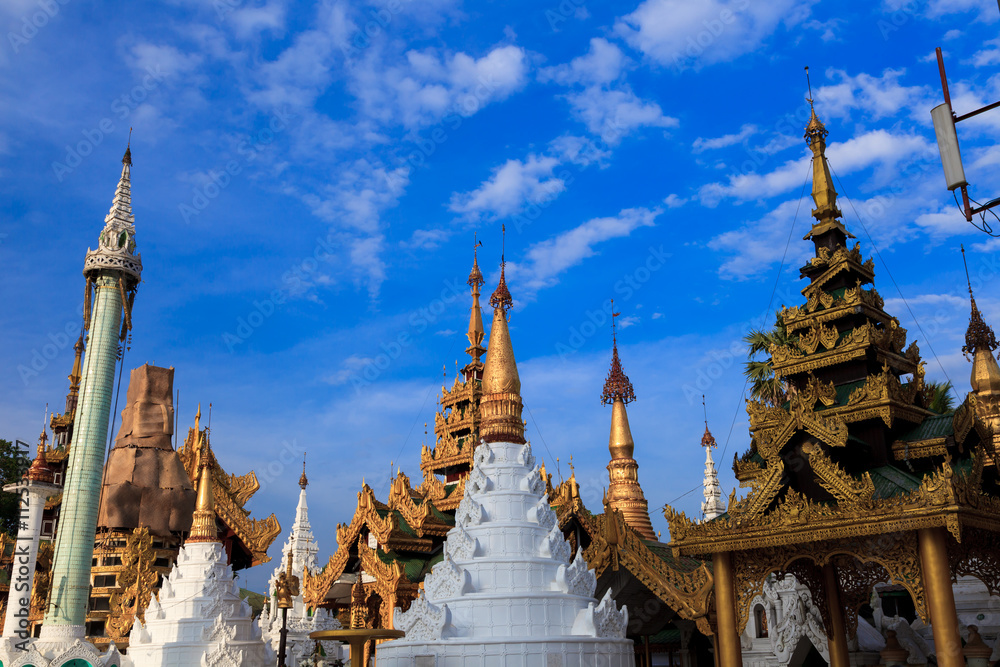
{"x": 727, "y": 635}
{"x": 838, "y": 642}
{"x": 933, "y": 544}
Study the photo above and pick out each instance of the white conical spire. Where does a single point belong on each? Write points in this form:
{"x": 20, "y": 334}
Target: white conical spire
{"x": 301, "y": 547}
{"x": 116, "y": 245}
{"x": 712, "y": 507}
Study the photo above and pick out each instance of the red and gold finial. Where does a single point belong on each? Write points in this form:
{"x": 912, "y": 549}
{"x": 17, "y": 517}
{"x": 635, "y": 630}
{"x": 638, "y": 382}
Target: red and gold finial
{"x": 501, "y": 295}
{"x": 707, "y": 440}
{"x": 40, "y": 470}
{"x": 617, "y": 386}
{"x": 475, "y": 276}
{"x": 303, "y": 480}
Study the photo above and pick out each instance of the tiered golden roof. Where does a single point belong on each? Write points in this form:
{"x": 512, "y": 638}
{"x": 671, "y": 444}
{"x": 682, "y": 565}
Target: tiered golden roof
{"x": 852, "y": 471}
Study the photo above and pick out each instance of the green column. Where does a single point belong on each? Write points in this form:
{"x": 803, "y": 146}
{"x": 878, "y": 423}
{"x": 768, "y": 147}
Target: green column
{"x": 81, "y": 495}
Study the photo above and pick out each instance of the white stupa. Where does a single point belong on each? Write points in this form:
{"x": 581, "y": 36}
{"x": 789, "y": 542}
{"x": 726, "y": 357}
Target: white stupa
{"x": 301, "y": 548}
{"x": 199, "y": 619}
{"x": 507, "y": 592}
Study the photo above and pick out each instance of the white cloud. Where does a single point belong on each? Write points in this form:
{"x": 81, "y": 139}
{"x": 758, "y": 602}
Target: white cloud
{"x": 628, "y": 321}
{"x": 248, "y": 22}
{"x": 425, "y": 239}
{"x": 875, "y": 96}
{"x": 428, "y": 86}
{"x": 757, "y": 245}
{"x": 674, "y": 201}
{"x": 581, "y": 151}
{"x": 348, "y": 369}
{"x": 601, "y": 65}
{"x": 300, "y": 73}
{"x": 875, "y": 148}
{"x": 701, "y": 145}
{"x": 512, "y": 186}
{"x": 683, "y": 33}
{"x": 163, "y": 59}
{"x": 546, "y": 260}
{"x": 612, "y": 114}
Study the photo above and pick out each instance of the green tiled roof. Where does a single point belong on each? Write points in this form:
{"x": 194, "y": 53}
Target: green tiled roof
{"x": 890, "y": 481}
{"x": 668, "y": 635}
{"x": 682, "y": 564}
{"x": 938, "y": 426}
{"x": 415, "y": 568}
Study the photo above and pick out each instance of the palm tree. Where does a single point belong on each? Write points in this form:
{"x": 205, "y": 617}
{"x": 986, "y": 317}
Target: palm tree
{"x": 942, "y": 397}
{"x": 764, "y": 386}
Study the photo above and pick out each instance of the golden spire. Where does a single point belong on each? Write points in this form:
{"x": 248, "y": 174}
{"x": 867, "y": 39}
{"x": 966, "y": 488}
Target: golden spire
{"x": 707, "y": 440}
{"x": 823, "y": 192}
{"x": 203, "y": 527}
{"x": 303, "y": 480}
{"x": 624, "y": 493}
{"x": 501, "y": 404}
{"x": 618, "y": 392}
{"x": 476, "y": 333}
{"x": 75, "y": 376}
{"x": 40, "y": 470}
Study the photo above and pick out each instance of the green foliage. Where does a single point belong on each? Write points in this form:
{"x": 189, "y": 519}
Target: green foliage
{"x": 764, "y": 386}
{"x": 13, "y": 463}
{"x": 942, "y": 397}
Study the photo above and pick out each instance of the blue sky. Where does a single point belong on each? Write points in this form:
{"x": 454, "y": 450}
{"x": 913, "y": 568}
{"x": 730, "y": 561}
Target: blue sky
{"x": 308, "y": 178}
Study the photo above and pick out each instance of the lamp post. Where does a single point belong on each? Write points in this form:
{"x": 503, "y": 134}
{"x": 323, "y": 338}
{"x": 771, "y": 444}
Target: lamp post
{"x": 286, "y": 588}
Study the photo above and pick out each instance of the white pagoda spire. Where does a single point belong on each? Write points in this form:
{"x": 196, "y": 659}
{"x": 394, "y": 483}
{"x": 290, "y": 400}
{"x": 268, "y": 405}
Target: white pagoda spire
{"x": 301, "y": 547}
{"x": 712, "y": 506}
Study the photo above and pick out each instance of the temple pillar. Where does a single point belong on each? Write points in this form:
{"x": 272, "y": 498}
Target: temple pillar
{"x": 838, "y": 640}
{"x": 933, "y": 547}
{"x": 727, "y": 644}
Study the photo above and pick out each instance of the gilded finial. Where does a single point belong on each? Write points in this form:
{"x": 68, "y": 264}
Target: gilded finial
{"x": 303, "y": 480}
{"x": 979, "y": 335}
{"x": 501, "y": 298}
{"x": 707, "y": 440}
{"x": 617, "y": 386}
{"x": 475, "y": 276}
{"x": 203, "y": 527}
{"x": 823, "y": 193}
{"x": 40, "y": 470}
{"x": 500, "y": 406}
{"x": 127, "y": 158}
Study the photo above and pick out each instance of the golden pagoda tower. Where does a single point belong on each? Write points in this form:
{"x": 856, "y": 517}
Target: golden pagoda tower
{"x": 501, "y": 404}
{"x": 624, "y": 493}
{"x": 980, "y": 342}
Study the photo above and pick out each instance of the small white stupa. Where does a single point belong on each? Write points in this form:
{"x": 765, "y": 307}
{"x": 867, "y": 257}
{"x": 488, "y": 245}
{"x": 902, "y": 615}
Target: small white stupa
{"x": 507, "y": 592}
{"x": 199, "y": 619}
{"x": 301, "y": 547}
